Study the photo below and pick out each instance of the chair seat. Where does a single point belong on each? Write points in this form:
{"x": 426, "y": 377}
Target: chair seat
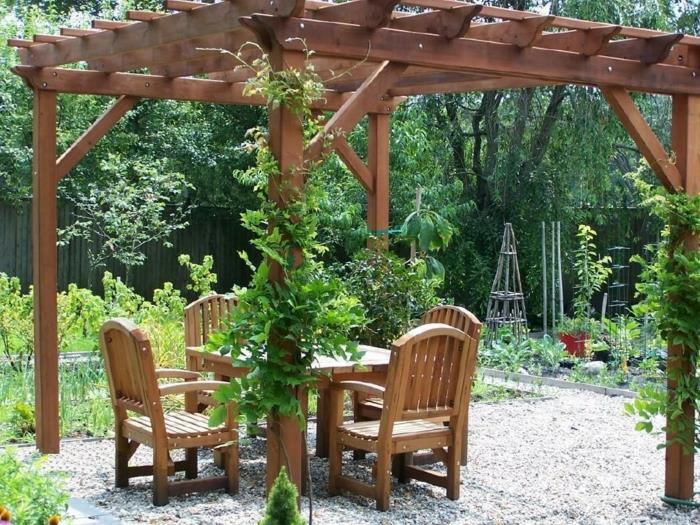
{"x": 407, "y": 436}
{"x": 180, "y": 426}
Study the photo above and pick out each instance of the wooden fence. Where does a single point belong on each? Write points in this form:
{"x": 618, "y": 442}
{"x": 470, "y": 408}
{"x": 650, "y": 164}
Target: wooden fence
{"x": 211, "y": 231}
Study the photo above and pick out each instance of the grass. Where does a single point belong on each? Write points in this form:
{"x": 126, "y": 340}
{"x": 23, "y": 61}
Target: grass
{"x": 488, "y": 393}
{"x": 85, "y": 409}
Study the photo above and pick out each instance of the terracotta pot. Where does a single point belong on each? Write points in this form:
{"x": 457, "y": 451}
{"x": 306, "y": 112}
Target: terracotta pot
{"x": 575, "y": 343}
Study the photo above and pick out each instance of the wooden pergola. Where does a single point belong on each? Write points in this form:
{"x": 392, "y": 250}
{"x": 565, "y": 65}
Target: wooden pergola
{"x": 391, "y": 49}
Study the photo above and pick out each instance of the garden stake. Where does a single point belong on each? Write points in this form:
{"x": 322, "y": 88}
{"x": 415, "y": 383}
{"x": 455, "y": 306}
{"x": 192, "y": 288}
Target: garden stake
{"x": 544, "y": 276}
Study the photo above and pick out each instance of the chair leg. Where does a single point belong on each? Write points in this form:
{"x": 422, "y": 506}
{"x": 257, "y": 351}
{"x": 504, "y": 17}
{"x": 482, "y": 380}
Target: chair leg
{"x": 121, "y": 460}
{"x": 335, "y": 466}
{"x": 453, "y": 456}
{"x": 398, "y": 462}
{"x": 160, "y": 475}
{"x": 383, "y": 486}
{"x": 191, "y": 463}
{"x": 232, "y": 472}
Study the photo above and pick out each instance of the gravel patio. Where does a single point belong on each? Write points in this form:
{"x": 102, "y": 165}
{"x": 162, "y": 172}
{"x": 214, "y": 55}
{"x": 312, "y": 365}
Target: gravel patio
{"x": 570, "y": 458}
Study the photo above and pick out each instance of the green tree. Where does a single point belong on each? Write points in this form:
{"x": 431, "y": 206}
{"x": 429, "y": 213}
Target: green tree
{"x": 282, "y": 503}
{"x": 142, "y": 204}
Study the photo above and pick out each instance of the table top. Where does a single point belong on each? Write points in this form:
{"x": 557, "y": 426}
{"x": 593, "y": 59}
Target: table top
{"x": 373, "y": 359}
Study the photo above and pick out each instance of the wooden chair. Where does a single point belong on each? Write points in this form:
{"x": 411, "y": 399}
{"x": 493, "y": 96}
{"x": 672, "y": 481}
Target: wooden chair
{"x": 204, "y": 316}
{"x": 369, "y": 408}
{"x": 429, "y": 378}
{"x": 133, "y": 383}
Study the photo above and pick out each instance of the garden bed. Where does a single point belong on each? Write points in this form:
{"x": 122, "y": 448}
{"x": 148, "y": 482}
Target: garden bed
{"x": 597, "y": 470}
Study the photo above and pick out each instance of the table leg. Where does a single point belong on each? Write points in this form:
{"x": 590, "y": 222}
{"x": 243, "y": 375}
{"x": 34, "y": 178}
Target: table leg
{"x": 322, "y": 423}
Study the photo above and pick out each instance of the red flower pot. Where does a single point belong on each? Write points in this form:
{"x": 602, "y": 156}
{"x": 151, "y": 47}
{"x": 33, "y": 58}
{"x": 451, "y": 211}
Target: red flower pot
{"x": 575, "y": 343}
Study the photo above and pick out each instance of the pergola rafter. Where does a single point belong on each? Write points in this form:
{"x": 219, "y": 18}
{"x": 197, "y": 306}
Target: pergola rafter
{"x": 370, "y": 55}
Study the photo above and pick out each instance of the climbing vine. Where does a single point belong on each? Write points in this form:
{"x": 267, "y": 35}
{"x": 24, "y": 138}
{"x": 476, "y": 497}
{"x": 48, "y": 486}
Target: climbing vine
{"x": 280, "y": 327}
{"x": 670, "y": 291}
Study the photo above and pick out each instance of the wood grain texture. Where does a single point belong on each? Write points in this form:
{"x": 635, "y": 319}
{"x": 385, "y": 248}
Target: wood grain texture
{"x": 45, "y": 270}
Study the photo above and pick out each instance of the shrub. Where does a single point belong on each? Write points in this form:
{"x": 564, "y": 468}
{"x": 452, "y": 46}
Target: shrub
{"x": 16, "y": 323}
{"x": 31, "y": 493}
{"x": 282, "y": 503}
{"x": 393, "y": 292}
{"x": 201, "y": 276}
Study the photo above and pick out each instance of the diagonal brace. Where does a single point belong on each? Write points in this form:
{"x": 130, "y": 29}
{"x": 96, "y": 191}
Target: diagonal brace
{"x": 354, "y": 163}
{"x": 356, "y": 107}
{"x": 92, "y": 135}
{"x": 648, "y": 143}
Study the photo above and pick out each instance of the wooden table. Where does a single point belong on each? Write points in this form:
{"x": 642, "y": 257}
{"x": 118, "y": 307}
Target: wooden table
{"x": 371, "y": 368}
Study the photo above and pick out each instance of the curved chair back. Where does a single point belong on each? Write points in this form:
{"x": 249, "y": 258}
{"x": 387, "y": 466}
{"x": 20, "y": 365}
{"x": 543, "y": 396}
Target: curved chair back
{"x": 204, "y": 316}
{"x": 130, "y": 368}
{"x": 455, "y": 316}
{"x": 430, "y": 374}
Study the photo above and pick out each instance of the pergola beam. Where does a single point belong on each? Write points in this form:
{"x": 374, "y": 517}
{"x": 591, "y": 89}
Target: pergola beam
{"x": 650, "y": 50}
{"x": 347, "y": 116}
{"x": 210, "y": 19}
{"x": 92, "y": 135}
{"x": 467, "y": 55}
{"x": 650, "y": 146}
{"x": 200, "y": 48}
{"x": 588, "y": 42}
{"x": 449, "y": 23}
{"x": 522, "y": 33}
{"x": 84, "y": 82}
{"x": 558, "y": 21}
{"x": 467, "y": 86}
{"x": 367, "y": 13}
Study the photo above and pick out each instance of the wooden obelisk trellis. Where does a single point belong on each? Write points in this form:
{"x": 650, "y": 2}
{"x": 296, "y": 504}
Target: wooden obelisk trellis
{"x": 507, "y": 302}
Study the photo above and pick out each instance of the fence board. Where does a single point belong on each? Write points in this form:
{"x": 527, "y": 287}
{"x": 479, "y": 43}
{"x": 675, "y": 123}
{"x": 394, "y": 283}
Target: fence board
{"x": 211, "y": 231}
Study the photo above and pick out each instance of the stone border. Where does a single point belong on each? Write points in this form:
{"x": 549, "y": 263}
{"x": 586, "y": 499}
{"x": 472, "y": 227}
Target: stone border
{"x": 80, "y": 512}
{"x": 556, "y": 383}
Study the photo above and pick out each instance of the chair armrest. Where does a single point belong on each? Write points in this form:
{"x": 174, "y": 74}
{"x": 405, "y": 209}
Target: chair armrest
{"x": 190, "y": 386}
{"x": 359, "y": 386}
{"x": 176, "y": 373}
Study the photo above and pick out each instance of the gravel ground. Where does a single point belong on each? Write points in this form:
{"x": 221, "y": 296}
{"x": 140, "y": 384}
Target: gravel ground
{"x": 574, "y": 458}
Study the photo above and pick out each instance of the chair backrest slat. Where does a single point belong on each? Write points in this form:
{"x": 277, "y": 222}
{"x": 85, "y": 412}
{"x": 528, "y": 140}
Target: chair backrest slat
{"x": 429, "y": 370}
{"x": 455, "y": 316}
{"x": 204, "y": 316}
{"x": 130, "y": 368}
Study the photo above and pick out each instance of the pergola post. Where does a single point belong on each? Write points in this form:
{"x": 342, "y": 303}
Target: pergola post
{"x": 378, "y": 139}
{"x": 685, "y": 138}
{"x": 45, "y": 271}
{"x": 286, "y": 135}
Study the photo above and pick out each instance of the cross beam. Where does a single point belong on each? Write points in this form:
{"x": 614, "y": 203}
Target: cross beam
{"x": 479, "y": 56}
{"x": 211, "y": 19}
{"x": 150, "y": 86}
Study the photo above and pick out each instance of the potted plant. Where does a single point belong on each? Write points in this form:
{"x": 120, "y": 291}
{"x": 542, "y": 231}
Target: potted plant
{"x": 591, "y": 271}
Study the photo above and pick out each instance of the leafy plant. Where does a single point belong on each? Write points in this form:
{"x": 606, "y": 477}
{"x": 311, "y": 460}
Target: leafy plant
{"x": 431, "y": 233}
{"x": 548, "y": 351}
{"x": 29, "y": 491}
{"x": 201, "y": 276}
{"x": 80, "y": 315}
{"x": 507, "y": 354}
{"x": 591, "y": 271}
{"x": 624, "y": 334}
{"x": 16, "y": 323}
{"x": 280, "y": 327}
{"x": 393, "y": 293}
{"x": 670, "y": 289}
{"x": 282, "y": 503}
